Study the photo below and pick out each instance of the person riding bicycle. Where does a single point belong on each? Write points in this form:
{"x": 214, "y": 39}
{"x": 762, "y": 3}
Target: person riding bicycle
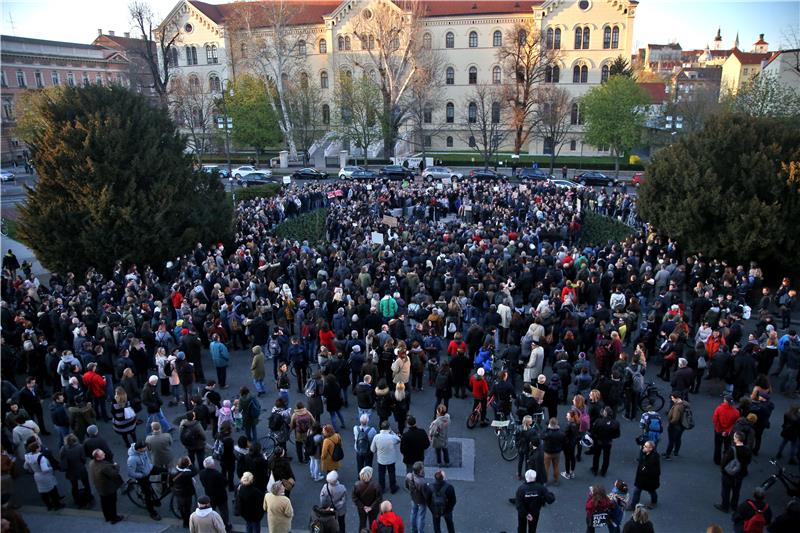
{"x": 141, "y": 468}
{"x": 480, "y": 392}
{"x": 503, "y": 392}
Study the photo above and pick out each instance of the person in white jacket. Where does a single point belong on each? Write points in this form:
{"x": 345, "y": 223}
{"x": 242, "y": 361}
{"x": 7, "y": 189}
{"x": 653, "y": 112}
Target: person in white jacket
{"x": 205, "y": 519}
{"x": 384, "y": 447}
{"x": 535, "y": 363}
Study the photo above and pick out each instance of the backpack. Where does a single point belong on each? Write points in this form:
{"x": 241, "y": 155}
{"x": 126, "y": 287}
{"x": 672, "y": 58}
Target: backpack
{"x": 309, "y": 446}
{"x": 362, "y": 442}
{"x": 274, "y": 347}
{"x": 302, "y": 424}
{"x": 219, "y": 447}
{"x": 585, "y": 421}
{"x": 654, "y": 424}
{"x": 254, "y": 408}
{"x": 235, "y": 325}
{"x": 383, "y": 528}
{"x": 438, "y": 501}
{"x": 338, "y": 452}
{"x": 687, "y": 418}
{"x": 757, "y": 522}
{"x": 276, "y": 421}
{"x": 66, "y": 370}
{"x": 637, "y": 380}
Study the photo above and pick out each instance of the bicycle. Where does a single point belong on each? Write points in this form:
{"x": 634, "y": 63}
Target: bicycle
{"x": 161, "y": 489}
{"x": 506, "y": 430}
{"x": 651, "y": 395}
{"x": 477, "y": 414}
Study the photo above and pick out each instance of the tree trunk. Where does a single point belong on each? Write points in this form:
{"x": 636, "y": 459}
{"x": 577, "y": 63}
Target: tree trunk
{"x": 616, "y": 164}
{"x": 552, "y": 160}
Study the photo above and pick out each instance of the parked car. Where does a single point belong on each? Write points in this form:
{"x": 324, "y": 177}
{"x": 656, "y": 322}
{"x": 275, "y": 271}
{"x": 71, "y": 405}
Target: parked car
{"x": 238, "y": 172}
{"x": 637, "y": 179}
{"x": 396, "y": 172}
{"x": 209, "y": 169}
{"x": 565, "y": 184}
{"x": 309, "y": 173}
{"x": 255, "y": 178}
{"x": 6, "y": 175}
{"x": 440, "y": 173}
{"x": 487, "y": 174}
{"x": 534, "y": 174}
{"x": 362, "y": 174}
{"x": 592, "y": 177}
{"x": 347, "y": 172}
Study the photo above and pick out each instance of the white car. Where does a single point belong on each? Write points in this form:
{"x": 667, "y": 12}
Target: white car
{"x": 565, "y": 184}
{"x": 347, "y": 172}
{"x": 238, "y": 172}
{"x": 440, "y": 172}
{"x": 5, "y": 175}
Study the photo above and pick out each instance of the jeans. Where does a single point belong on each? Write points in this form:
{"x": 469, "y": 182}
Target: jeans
{"x": 334, "y": 415}
{"x": 637, "y": 494}
{"x": 222, "y": 375}
{"x": 161, "y": 419}
{"x": 63, "y": 431}
{"x": 793, "y": 449}
{"x": 448, "y": 519}
{"x": 100, "y": 408}
{"x": 674, "y": 434}
{"x": 442, "y": 453}
{"x": 259, "y": 385}
{"x": 252, "y": 527}
{"x": 175, "y": 390}
{"x": 382, "y": 477}
{"x": 362, "y": 460}
{"x": 196, "y": 455}
{"x": 731, "y": 486}
{"x": 314, "y": 467}
{"x": 569, "y": 458}
{"x": 418, "y": 511}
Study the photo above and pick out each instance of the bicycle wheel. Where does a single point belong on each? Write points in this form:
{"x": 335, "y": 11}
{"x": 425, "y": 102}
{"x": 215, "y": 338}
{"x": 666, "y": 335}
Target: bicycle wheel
{"x": 135, "y": 495}
{"x": 268, "y": 444}
{"x": 654, "y": 398}
{"x": 508, "y": 445}
{"x": 472, "y": 419}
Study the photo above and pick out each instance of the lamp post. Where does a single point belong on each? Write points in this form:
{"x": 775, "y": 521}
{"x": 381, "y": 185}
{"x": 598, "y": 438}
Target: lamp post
{"x": 226, "y": 124}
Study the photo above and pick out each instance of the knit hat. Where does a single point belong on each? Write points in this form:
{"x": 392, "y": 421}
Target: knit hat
{"x": 481, "y": 371}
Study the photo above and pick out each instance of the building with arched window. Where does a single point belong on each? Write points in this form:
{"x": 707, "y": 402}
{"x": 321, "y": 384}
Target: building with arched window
{"x": 328, "y": 35}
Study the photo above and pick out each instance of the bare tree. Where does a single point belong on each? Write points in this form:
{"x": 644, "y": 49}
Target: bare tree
{"x": 525, "y": 57}
{"x": 276, "y": 48}
{"x": 424, "y": 96}
{"x": 483, "y": 122}
{"x": 553, "y": 119}
{"x": 193, "y": 108}
{"x": 391, "y": 35}
{"x": 358, "y": 104}
{"x": 157, "y": 57}
{"x": 305, "y": 111}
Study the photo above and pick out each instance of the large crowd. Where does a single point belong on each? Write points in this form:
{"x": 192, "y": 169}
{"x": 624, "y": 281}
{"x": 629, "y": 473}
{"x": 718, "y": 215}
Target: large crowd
{"x": 479, "y": 289}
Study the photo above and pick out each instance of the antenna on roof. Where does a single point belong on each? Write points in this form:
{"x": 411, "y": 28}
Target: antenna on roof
{"x": 11, "y": 23}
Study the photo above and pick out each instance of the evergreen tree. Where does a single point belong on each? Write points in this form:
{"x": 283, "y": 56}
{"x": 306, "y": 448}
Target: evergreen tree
{"x": 114, "y": 183}
{"x": 731, "y": 191}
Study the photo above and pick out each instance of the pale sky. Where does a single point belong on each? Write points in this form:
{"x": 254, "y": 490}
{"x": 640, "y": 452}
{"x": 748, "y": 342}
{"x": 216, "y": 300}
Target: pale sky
{"x": 692, "y": 23}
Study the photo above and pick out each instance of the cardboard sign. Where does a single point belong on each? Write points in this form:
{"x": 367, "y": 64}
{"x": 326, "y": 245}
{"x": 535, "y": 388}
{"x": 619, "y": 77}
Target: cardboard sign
{"x": 331, "y": 195}
{"x": 369, "y": 186}
{"x": 447, "y": 181}
{"x": 377, "y": 238}
{"x": 538, "y": 394}
{"x": 338, "y": 193}
{"x": 390, "y": 221}
{"x": 287, "y": 180}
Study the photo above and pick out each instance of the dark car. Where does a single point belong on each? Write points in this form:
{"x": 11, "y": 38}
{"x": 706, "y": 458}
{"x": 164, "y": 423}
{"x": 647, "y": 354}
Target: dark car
{"x": 363, "y": 174}
{"x": 309, "y": 174}
{"x": 534, "y": 174}
{"x": 593, "y": 177}
{"x": 396, "y": 172}
{"x": 255, "y": 178}
{"x": 486, "y": 174}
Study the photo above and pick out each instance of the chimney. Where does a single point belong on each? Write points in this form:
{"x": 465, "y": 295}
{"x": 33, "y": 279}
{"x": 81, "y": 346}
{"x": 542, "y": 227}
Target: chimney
{"x": 760, "y": 36}
{"x": 99, "y": 31}
{"x": 110, "y": 33}
{"x": 127, "y": 35}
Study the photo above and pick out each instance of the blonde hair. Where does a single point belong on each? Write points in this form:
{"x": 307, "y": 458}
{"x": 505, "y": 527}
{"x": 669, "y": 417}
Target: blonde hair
{"x": 127, "y": 373}
{"x": 400, "y": 392}
{"x": 120, "y": 395}
{"x": 578, "y": 401}
{"x": 247, "y": 479}
{"x": 640, "y": 514}
{"x": 595, "y": 395}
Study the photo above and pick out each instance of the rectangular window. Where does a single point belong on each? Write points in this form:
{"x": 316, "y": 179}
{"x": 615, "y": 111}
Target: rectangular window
{"x": 427, "y": 116}
{"x": 71, "y": 79}
{"x": 39, "y": 82}
{"x": 3, "y": 81}
{"x": 427, "y": 141}
{"x": 21, "y": 81}
{"x": 85, "y": 79}
{"x": 98, "y": 79}
{"x": 7, "y": 114}
{"x": 573, "y": 144}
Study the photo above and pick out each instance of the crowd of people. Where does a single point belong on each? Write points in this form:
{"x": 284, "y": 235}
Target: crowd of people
{"x": 479, "y": 290}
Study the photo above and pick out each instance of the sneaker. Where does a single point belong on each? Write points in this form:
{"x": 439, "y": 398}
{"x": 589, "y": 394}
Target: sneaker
{"x": 719, "y": 507}
{"x": 666, "y": 457}
{"x": 155, "y": 516}
{"x": 565, "y": 475}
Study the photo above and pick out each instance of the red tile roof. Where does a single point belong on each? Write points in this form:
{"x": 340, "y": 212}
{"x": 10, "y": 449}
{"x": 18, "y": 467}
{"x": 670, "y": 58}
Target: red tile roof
{"x": 746, "y": 58}
{"x": 435, "y": 8}
{"x": 657, "y": 91}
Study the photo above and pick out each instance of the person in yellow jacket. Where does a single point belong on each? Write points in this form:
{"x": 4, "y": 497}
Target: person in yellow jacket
{"x": 279, "y": 509}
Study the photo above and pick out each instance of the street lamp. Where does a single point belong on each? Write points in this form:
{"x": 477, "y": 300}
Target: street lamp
{"x": 226, "y": 124}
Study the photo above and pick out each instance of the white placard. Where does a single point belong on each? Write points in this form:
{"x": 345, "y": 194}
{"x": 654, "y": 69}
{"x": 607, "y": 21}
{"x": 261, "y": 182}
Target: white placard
{"x": 287, "y": 180}
{"x": 377, "y": 238}
{"x": 369, "y": 186}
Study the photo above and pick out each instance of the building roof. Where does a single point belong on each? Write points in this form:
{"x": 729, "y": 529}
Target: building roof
{"x": 44, "y": 42}
{"x": 312, "y": 11}
{"x": 656, "y": 90}
{"x": 701, "y": 74}
{"x": 747, "y": 58}
{"x": 116, "y": 42}
{"x": 776, "y": 55}
{"x": 671, "y": 46}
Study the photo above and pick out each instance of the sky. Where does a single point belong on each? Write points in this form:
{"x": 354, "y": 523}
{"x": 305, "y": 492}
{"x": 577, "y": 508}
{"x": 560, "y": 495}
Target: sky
{"x": 692, "y": 23}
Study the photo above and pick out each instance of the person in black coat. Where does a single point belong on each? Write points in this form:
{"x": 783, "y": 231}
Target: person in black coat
{"x": 73, "y": 463}
{"x": 413, "y": 443}
{"x": 30, "y": 400}
{"x": 530, "y": 498}
{"x": 683, "y": 378}
{"x": 648, "y": 475}
{"x": 604, "y": 430}
{"x": 440, "y": 485}
{"x": 214, "y": 485}
{"x": 227, "y": 462}
{"x": 255, "y": 463}
{"x": 732, "y": 482}
{"x": 183, "y": 487}
{"x": 249, "y": 502}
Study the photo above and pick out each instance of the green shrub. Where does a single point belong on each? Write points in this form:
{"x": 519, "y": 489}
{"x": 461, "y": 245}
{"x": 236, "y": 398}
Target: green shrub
{"x": 257, "y": 191}
{"x": 307, "y": 227}
{"x": 598, "y": 230}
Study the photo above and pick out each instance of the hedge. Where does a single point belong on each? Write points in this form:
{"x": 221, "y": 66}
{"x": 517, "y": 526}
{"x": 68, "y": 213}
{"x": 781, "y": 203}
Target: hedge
{"x": 597, "y": 230}
{"x": 267, "y": 190}
{"x": 306, "y": 227}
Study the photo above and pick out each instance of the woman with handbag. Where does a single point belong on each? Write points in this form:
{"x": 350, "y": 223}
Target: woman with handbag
{"x": 281, "y": 470}
{"x": 333, "y": 496}
{"x": 123, "y": 416}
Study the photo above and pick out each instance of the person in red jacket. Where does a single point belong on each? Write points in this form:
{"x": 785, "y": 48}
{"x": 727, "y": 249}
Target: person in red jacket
{"x": 388, "y": 518}
{"x": 326, "y": 336}
{"x": 456, "y": 344}
{"x": 725, "y": 416}
{"x": 598, "y": 508}
{"x": 96, "y": 385}
{"x": 480, "y": 392}
{"x": 714, "y": 343}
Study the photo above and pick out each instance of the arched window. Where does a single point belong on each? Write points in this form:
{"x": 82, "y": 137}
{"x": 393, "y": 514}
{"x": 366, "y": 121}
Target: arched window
{"x": 323, "y": 79}
{"x": 326, "y": 114}
{"x": 473, "y": 75}
{"x": 578, "y": 38}
{"x": 449, "y": 40}
{"x": 584, "y": 74}
{"x": 426, "y": 41}
{"x": 191, "y": 55}
{"x": 301, "y": 47}
{"x": 522, "y": 36}
{"x": 449, "y": 142}
{"x": 496, "y": 75}
{"x": 586, "y": 38}
{"x": 427, "y": 114}
{"x": 604, "y": 74}
{"x": 549, "y": 39}
{"x": 450, "y": 76}
{"x": 472, "y": 112}
{"x": 615, "y": 37}
{"x": 172, "y": 57}
{"x": 340, "y": 43}
{"x": 557, "y": 39}
{"x": 606, "y": 38}
{"x": 551, "y": 74}
{"x": 573, "y": 116}
{"x": 194, "y": 82}
{"x": 211, "y": 54}
{"x": 497, "y": 39}
{"x": 347, "y": 43}
{"x": 576, "y": 74}
{"x": 450, "y": 112}
{"x": 214, "y": 84}
{"x": 303, "y": 80}
{"x": 344, "y": 73}
{"x": 323, "y": 46}
{"x": 495, "y": 112}
{"x": 371, "y": 42}
{"x": 471, "y": 141}
{"x": 473, "y": 39}
{"x": 243, "y": 50}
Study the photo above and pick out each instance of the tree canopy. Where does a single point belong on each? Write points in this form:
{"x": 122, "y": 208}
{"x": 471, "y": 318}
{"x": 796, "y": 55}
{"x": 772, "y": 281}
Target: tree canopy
{"x": 731, "y": 190}
{"x": 764, "y": 96}
{"x": 114, "y": 183}
{"x": 254, "y": 122}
